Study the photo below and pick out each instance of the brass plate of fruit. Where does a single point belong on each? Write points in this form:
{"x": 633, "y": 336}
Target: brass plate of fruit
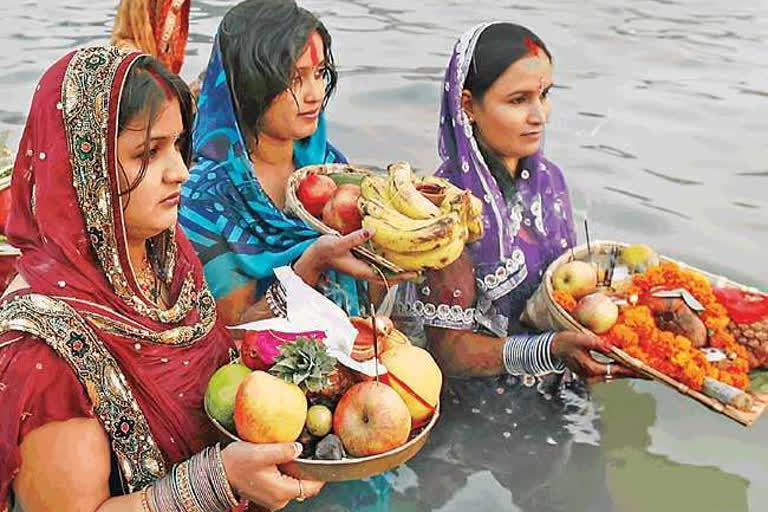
{"x": 352, "y": 468}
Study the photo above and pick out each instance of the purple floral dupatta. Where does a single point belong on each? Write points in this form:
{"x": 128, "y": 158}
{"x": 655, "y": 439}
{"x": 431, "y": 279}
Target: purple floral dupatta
{"x": 522, "y": 235}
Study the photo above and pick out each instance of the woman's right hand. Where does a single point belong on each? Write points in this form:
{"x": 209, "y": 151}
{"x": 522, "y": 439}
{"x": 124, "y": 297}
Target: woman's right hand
{"x": 573, "y": 348}
{"x": 335, "y": 252}
{"x": 252, "y": 472}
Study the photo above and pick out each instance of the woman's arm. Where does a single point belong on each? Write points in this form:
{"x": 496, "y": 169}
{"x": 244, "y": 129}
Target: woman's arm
{"x": 467, "y": 353}
{"x": 66, "y": 467}
{"x": 328, "y": 252}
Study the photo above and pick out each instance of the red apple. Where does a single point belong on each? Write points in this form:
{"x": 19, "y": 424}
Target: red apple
{"x": 314, "y": 191}
{"x": 371, "y": 418}
{"x": 341, "y": 212}
{"x": 596, "y": 312}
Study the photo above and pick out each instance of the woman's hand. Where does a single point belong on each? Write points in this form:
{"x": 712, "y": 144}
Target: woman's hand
{"x": 573, "y": 349}
{"x": 252, "y": 472}
{"x": 334, "y": 252}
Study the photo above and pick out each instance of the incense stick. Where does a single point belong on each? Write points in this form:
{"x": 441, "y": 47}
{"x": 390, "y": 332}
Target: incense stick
{"x": 375, "y": 342}
{"x": 589, "y": 245}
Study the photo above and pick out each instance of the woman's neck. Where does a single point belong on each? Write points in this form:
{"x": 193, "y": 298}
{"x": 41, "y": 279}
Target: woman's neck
{"x": 511, "y": 165}
{"x": 137, "y": 253}
{"x": 271, "y": 151}
{"x": 272, "y": 165}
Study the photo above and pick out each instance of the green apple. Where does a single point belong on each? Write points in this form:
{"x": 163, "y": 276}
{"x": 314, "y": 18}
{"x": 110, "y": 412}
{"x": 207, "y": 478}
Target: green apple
{"x": 578, "y": 278}
{"x": 221, "y": 392}
{"x": 319, "y": 420}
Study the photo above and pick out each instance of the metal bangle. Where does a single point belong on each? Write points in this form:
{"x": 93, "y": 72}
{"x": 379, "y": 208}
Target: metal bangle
{"x": 145, "y": 500}
{"x": 530, "y": 354}
{"x": 202, "y": 490}
{"x": 220, "y": 474}
{"x": 185, "y": 489}
{"x": 162, "y": 495}
{"x": 275, "y": 300}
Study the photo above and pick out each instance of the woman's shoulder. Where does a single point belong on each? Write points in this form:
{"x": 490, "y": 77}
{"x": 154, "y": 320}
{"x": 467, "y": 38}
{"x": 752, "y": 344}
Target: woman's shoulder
{"x": 548, "y": 166}
{"x": 37, "y": 384}
{"x": 27, "y": 355}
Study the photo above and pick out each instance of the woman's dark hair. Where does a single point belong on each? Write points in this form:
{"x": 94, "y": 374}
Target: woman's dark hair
{"x": 499, "y": 46}
{"x": 147, "y": 87}
{"x": 260, "y": 42}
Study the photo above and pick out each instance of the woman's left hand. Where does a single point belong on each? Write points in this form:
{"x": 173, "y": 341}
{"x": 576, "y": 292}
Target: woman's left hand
{"x": 573, "y": 349}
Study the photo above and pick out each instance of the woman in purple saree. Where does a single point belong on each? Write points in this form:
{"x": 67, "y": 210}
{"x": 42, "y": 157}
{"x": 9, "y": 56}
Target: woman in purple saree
{"x": 520, "y": 414}
{"x": 494, "y": 110}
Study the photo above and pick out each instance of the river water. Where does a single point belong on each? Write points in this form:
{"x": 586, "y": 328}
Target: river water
{"x": 659, "y": 122}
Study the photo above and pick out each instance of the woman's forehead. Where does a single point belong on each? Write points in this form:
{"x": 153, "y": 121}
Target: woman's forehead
{"x": 313, "y": 53}
{"x": 527, "y": 73}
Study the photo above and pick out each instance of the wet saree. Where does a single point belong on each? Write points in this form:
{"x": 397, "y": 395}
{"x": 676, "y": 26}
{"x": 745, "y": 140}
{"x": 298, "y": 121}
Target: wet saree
{"x": 238, "y": 232}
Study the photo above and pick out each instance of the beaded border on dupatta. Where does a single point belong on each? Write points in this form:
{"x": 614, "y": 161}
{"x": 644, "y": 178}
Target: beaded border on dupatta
{"x": 140, "y": 460}
{"x": 85, "y": 96}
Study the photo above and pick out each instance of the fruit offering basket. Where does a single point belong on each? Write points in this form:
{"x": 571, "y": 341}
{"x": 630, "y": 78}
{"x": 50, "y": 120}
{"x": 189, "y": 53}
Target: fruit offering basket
{"x": 356, "y": 415}
{"x": 352, "y": 468}
{"x": 341, "y": 174}
{"x": 419, "y": 223}
{"x": 662, "y": 318}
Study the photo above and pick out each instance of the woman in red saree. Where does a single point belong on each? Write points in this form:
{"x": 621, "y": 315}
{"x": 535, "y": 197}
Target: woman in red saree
{"x": 109, "y": 334}
{"x": 157, "y": 27}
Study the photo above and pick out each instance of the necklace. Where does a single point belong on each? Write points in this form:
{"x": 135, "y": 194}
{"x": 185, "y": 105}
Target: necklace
{"x": 148, "y": 282}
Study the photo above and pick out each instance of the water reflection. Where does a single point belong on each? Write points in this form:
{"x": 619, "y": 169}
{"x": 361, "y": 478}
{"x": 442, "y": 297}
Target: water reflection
{"x": 641, "y": 481}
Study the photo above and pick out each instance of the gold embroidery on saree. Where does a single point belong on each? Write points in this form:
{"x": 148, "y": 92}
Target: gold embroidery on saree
{"x": 119, "y": 325}
{"x": 86, "y": 98}
{"x": 56, "y": 322}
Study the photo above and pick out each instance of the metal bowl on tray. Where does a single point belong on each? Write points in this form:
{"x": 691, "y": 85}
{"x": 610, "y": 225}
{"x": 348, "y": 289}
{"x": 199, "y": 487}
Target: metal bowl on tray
{"x": 350, "y": 468}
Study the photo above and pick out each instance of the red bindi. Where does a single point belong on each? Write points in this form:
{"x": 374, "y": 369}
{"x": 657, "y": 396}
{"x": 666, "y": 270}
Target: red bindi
{"x": 314, "y": 52}
{"x": 533, "y": 48}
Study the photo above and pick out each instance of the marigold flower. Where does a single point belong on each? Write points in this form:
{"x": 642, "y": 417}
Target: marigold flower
{"x": 637, "y": 334}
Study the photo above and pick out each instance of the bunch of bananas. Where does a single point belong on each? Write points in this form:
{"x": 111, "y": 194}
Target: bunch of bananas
{"x": 413, "y": 231}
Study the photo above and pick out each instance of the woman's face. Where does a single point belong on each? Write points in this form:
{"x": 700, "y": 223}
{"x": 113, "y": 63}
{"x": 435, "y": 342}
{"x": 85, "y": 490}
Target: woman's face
{"x": 510, "y": 118}
{"x": 154, "y": 204}
{"x": 294, "y": 114}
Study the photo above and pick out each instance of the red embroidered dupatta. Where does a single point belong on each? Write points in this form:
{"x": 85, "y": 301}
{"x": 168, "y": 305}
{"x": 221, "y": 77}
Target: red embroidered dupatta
{"x": 142, "y": 369}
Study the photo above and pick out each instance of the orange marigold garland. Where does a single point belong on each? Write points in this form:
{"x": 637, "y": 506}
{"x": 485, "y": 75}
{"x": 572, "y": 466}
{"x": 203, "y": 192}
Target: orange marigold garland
{"x": 636, "y": 333}
{"x": 565, "y": 299}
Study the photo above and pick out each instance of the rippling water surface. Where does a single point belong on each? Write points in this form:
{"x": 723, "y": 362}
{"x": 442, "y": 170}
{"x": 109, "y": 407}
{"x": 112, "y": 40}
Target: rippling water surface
{"x": 660, "y": 125}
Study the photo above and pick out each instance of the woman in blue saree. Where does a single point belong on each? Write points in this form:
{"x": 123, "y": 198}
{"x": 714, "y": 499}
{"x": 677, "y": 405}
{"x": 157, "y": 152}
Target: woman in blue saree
{"x": 260, "y": 117}
{"x": 269, "y": 78}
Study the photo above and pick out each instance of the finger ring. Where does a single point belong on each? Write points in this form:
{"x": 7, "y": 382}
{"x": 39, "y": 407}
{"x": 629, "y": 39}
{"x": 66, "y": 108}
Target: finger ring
{"x": 608, "y": 374}
{"x": 301, "y": 496}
